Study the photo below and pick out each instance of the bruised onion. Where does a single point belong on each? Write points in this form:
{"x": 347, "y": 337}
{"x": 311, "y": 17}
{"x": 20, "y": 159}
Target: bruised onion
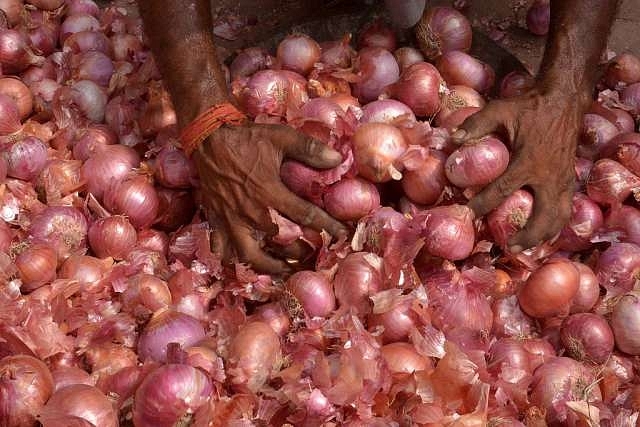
{"x": 625, "y": 322}
{"x": 376, "y": 147}
{"x": 442, "y": 29}
{"x": 112, "y": 236}
{"x": 477, "y": 163}
{"x": 313, "y": 292}
{"x": 81, "y": 401}
{"x": 165, "y": 327}
{"x": 459, "y": 68}
{"x": 587, "y": 337}
{"x": 510, "y": 216}
{"x": 351, "y": 198}
{"x": 298, "y": 52}
{"x": 538, "y": 17}
{"x": 550, "y": 289}
{"x": 448, "y": 232}
{"x": 377, "y": 68}
{"x": 419, "y": 88}
{"x": 358, "y": 276}
{"x": 623, "y": 69}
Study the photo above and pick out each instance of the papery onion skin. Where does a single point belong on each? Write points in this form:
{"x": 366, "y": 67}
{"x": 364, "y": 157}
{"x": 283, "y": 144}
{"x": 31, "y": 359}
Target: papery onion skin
{"x": 378, "y": 69}
{"x": 459, "y": 68}
{"x": 625, "y": 322}
{"x": 164, "y": 328}
{"x": 385, "y": 111}
{"x": 587, "y": 336}
{"x": 313, "y": 291}
{"x": 448, "y": 232}
{"x": 83, "y": 268}
{"x": 25, "y": 386}
{"x": 358, "y": 276}
{"x": 442, "y": 29}
{"x": 16, "y": 89}
{"x": 63, "y": 228}
{"x": 90, "y": 140}
{"x": 402, "y": 357}
{"x": 538, "y": 17}
{"x": 509, "y": 320}
{"x": 611, "y": 183}
{"x": 618, "y": 267}
{"x": 26, "y": 158}
{"x": 510, "y": 216}
{"x": 550, "y": 289}
{"x": 425, "y": 183}
{"x": 597, "y": 131}
{"x": 508, "y": 353}
{"x": 68, "y": 375}
{"x": 78, "y": 22}
{"x": 298, "y": 52}
{"x": 588, "y": 289}
{"x": 586, "y": 219}
{"x": 351, "y": 198}
{"x": 10, "y": 115}
{"x": 376, "y": 146}
{"x": 477, "y": 163}
{"x": 419, "y": 88}
{"x": 82, "y": 401}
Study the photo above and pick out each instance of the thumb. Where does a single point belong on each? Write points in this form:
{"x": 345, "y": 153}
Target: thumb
{"x": 484, "y": 122}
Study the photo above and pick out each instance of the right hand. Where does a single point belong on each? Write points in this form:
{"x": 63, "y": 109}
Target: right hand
{"x": 239, "y": 169}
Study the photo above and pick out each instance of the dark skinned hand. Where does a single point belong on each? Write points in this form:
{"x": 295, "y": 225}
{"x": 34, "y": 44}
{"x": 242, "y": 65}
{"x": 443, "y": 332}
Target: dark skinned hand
{"x": 543, "y": 132}
{"x": 239, "y": 169}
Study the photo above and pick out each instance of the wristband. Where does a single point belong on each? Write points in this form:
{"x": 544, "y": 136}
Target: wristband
{"x": 209, "y": 120}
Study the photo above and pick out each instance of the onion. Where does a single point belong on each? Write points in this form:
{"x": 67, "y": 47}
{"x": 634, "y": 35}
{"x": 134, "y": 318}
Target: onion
{"x": 407, "y": 56}
{"x": 459, "y": 68}
{"x": 624, "y": 69}
{"x": 338, "y": 53}
{"x": 108, "y": 166}
{"x": 351, "y": 198}
{"x": 588, "y": 289}
{"x": 78, "y": 22}
{"x": 170, "y": 394}
{"x": 82, "y": 401}
{"x": 254, "y": 353}
{"x": 164, "y": 328}
{"x": 68, "y": 375}
{"x": 321, "y": 110}
{"x": 510, "y": 216}
{"x": 385, "y": 111}
{"x": 587, "y": 336}
{"x": 377, "y": 68}
{"x": 611, "y": 183}
{"x": 25, "y": 386}
{"x": 458, "y": 103}
{"x": 424, "y": 181}
{"x": 36, "y": 266}
{"x": 550, "y": 289}
{"x": 91, "y": 139}
{"x": 154, "y": 240}
{"x": 26, "y": 158}
{"x": 396, "y": 315}
{"x": 176, "y": 208}
{"x": 173, "y": 169}
{"x": 158, "y": 114}
{"x": 250, "y": 60}
{"x": 274, "y": 315}
{"x": 443, "y": 29}
{"x": 347, "y": 102}
{"x": 13, "y": 10}
{"x": 628, "y": 151}
{"x": 540, "y": 351}
{"x": 43, "y": 36}
{"x": 63, "y": 228}
{"x": 112, "y": 236}
{"x": 46, "y": 4}
{"x": 625, "y": 322}
{"x": 461, "y": 308}
{"x": 313, "y": 292}
{"x": 9, "y": 116}
{"x": 376, "y": 147}
{"x": 597, "y": 132}
{"x": 509, "y": 320}
{"x": 93, "y": 65}
{"x": 448, "y": 232}
{"x": 402, "y": 357}
{"x": 87, "y": 97}
{"x": 508, "y": 353}
{"x": 87, "y": 270}
{"x": 586, "y": 219}
{"x": 631, "y": 97}
{"x": 618, "y": 267}
{"x": 147, "y": 291}
{"x": 298, "y": 52}
{"x": 477, "y": 163}
{"x": 134, "y": 197}
{"x": 16, "y": 89}
{"x": 15, "y": 53}
{"x": 538, "y": 17}
{"x": 87, "y": 41}
{"x": 515, "y": 84}
{"x": 419, "y": 88}
{"x": 377, "y": 34}
{"x": 82, "y": 6}
{"x": 626, "y": 219}
{"x": 358, "y": 276}
{"x": 264, "y": 92}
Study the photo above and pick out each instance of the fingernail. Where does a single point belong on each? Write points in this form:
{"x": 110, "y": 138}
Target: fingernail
{"x": 333, "y": 156}
{"x": 459, "y": 134}
{"x": 515, "y": 249}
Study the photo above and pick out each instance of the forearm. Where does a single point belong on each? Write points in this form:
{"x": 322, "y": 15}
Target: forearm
{"x": 577, "y": 37}
{"x": 179, "y": 32}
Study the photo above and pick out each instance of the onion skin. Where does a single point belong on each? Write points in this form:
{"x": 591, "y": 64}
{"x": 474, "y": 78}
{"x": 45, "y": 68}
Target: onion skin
{"x": 477, "y": 163}
{"x": 631, "y": 98}
{"x": 442, "y": 29}
{"x": 385, "y": 111}
{"x": 358, "y": 276}
{"x": 587, "y": 336}
{"x": 376, "y": 147}
{"x": 16, "y": 89}
{"x": 164, "y": 328}
{"x": 351, "y": 198}
{"x": 550, "y": 289}
{"x": 626, "y": 219}
{"x": 134, "y": 197}
{"x": 458, "y": 102}
{"x": 625, "y": 322}
{"x": 26, "y": 158}
{"x": 618, "y": 267}
{"x": 82, "y": 401}
{"x": 610, "y": 183}
{"x": 402, "y": 357}
{"x": 586, "y": 219}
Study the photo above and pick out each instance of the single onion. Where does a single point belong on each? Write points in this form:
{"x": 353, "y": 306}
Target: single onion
{"x": 510, "y": 216}
{"x": 13, "y": 10}
{"x": 385, "y": 111}
{"x": 623, "y": 69}
{"x": 36, "y": 266}
{"x": 134, "y": 197}
{"x": 618, "y": 267}
{"x": 63, "y": 228}
{"x": 15, "y": 52}
{"x": 82, "y": 6}
{"x": 377, "y": 68}
{"x": 86, "y": 41}
{"x": 112, "y": 236}
{"x": 630, "y": 96}
{"x": 82, "y": 401}
{"x": 459, "y": 68}
{"x": 87, "y": 97}
{"x": 313, "y": 292}
{"x": 158, "y": 113}
{"x": 619, "y": 117}
{"x": 351, "y": 198}
{"x": 442, "y": 29}
{"x": 16, "y": 89}
{"x": 90, "y": 140}
{"x": 87, "y": 270}
{"x": 148, "y": 291}
{"x": 597, "y": 132}
{"x": 477, "y": 163}
{"x": 266, "y": 91}
{"x": 448, "y": 232}
{"x": 26, "y": 158}
{"x": 43, "y": 36}
{"x": 338, "y": 53}
{"x": 587, "y": 337}
{"x": 250, "y": 60}
{"x": 586, "y": 219}
{"x": 396, "y": 316}
{"x": 274, "y": 315}
{"x": 77, "y": 22}
{"x": 628, "y": 151}
{"x": 377, "y": 34}
{"x": 402, "y": 357}
{"x": 550, "y": 289}
{"x": 588, "y": 289}
{"x": 538, "y": 17}
{"x": 626, "y": 219}
{"x": 9, "y": 115}
{"x": 611, "y": 183}
{"x": 515, "y": 84}
{"x": 175, "y": 208}
{"x": 93, "y": 65}
{"x": 173, "y": 169}
{"x": 25, "y": 386}
{"x": 419, "y": 88}
{"x": 166, "y": 327}
{"x": 458, "y": 103}
{"x": 376, "y": 147}
{"x": 424, "y": 181}
{"x": 508, "y": 353}
{"x": 154, "y": 240}
{"x": 321, "y": 110}
{"x": 170, "y": 394}
{"x": 625, "y": 322}
{"x": 358, "y": 276}
{"x": 68, "y": 375}
{"x": 298, "y": 52}
{"x": 406, "y": 56}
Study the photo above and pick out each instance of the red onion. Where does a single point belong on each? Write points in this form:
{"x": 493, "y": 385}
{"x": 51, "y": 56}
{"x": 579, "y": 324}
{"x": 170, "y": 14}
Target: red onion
{"x": 419, "y": 88}
{"x": 82, "y": 6}
{"x": 624, "y": 69}
{"x": 13, "y": 10}
{"x": 78, "y": 22}
{"x": 134, "y": 197}
{"x": 538, "y": 17}
{"x": 68, "y": 375}
{"x": 448, "y": 232}
{"x": 396, "y": 315}
{"x": 169, "y": 394}
{"x": 9, "y": 116}
{"x": 338, "y": 53}
{"x": 626, "y": 219}
{"x": 265, "y": 92}
{"x": 377, "y": 68}
{"x": 630, "y": 96}
{"x": 274, "y": 315}
{"x": 175, "y": 208}
{"x": 298, "y": 52}
{"x": 82, "y": 401}
{"x": 611, "y": 183}
{"x": 43, "y": 36}
{"x": 173, "y": 169}
{"x": 91, "y": 139}
{"x": 407, "y": 56}
{"x": 625, "y": 322}
{"x": 508, "y": 353}
{"x": 351, "y": 198}
{"x": 587, "y": 337}
{"x": 618, "y": 267}
{"x": 94, "y": 66}
{"x": 510, "y": 216}
{"x": 164, "y": 328}
{"x": 87, "y": 97}
{"x": 550, "y": 289}
{"x": 322, "y": 110}
{"x": 402, "y": 357}
{"x": 477, "y": 163}
{"x": 424, "y": 181}
{"x": 86, "y": 41}
{"x": 540, "y": 351}
{"x": 358, "y": 276}
{"x": 112, "y": 236}
{"x": 154, "y": 240}
{"x": 43, "y": 92}
{"x": 586, "y": 219}
{"x": 619, "y": 117}
{"x": 377, "y": 34}
{"x": 25, "y": 386}
{"x": 250, "y": 60}
{"x": 458, "y": 103}
{"x": 509, "y": 320}
{"x": 87, "y": 270}
{"x": 63, "y": 228}
{"x": 346, "y": 102}
{"x": 16, "y": 89}
{"x": 26, "y": 158}
{"x": 597, "y": 132}
{"x": 443, "y": 29}
{"x": 628, "y": 151}
{"x": 515, "y": 84}
{"x": 376, "y": 147}
{"x": 313, "y": 292}
{"x": 148, "y": 291}
{"x": 588, "y": 289}
{"x": 15, "y": 53}
{"x": 36, "y": 266}
{"x": 459, "y": 68}
{"x": 385, "y": 111}
{"x": 108, "y": 166}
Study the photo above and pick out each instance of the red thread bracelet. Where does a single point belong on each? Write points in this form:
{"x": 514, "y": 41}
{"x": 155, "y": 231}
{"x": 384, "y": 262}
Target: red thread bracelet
{"x": 209, "y": 120}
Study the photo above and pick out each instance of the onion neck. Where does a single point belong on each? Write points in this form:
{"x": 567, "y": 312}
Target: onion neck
{"x": 181, "y": 40}
{"x": 578, "y": 35}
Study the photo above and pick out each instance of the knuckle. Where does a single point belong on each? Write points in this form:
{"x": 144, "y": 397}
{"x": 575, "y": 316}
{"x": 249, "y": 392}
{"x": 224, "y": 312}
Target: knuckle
{"x": 308, "y": 215}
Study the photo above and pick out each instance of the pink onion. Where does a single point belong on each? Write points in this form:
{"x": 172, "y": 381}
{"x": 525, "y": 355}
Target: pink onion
{"x": 16, "y": 89}
{"x": 351, "y": 198}
{"x": 448, "y": 232}
{"x": 630, "y": 96}
{"x": 618, "y": 267}
{"x": 173, "y": 169}
{"x": 86, "y": 41}
{"x": 266, "y": 91}
{"x": 134, "y": 197}
{"x": 274, "y": 315}
{"x": 164, "y": 328}
{"x": 94, "y": 66}
{"x": 419, "y": 88}
{"x": 628, "y": 151}
{"x": 377, "y": 68}
{"x": 26, "y": 158}
{"x": 15, "y": 52}
{"x": 458, "y": 103}
{"x": 550, "y": 289}
{"x": 624, "y": 69}
{"x": 90, "y": 140}
{"x": 154, "y": 240}
{"x": 376, "y": 147}
{"x": 46, "y": 4}
{"x": 406, "y": 56}
{"x": 63, "y": 228}
{"x": 424, "y": 181}
{"x": 78, "y": 22}
{"x": 112, "y": 236}
{"x": 509, "y": 320}
{"x": 36, "y": 266}
{"x": 587, "y": 337}
{"x": 250, "y": 60}
{"x": 82, "y": 6}
{"x": 68, "y": 375}
{"x": 459, "y": 68}
{"x": 9, "y": 116}
{"x": 338, "y": 53}
{"x": 459, "y": 307}
{"x": 313, "y": 292}
{"x": 87, "y": 270}
{"x": 477, "y": 163}
{"x": 586, "y": 219}
{"x": 87, "y": 97}
{"x": 625, "y": 322}
{"x": 402, "y": 358}
{"x": 13, "y": 10}
{"x": 510, "y": 216}
{"x": 611, "y": 183}
{"x": 538, "y": 17}
{"x": 298, "y": 52}
{"x": 108, "y": 166}
{"x": 515, "y": 84}
{"x": 508, "y": 353}
{"x": 43, "y": 36}
{"x": 625, "y": 219}
{"x": 396, "y": 315}
{"x": 385, "y": 111}
{"x": 597, "y": 132}
{"x": 443, "y": 29}
{"x": 80, "y": 402}
{"x": 588, "y": 289}
{"x": 358, "y": 276}
{"x": 321, "y": 110}
{"x": 377, "y": 34}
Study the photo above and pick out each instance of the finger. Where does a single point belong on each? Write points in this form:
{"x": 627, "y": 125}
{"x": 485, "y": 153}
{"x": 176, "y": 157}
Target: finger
{"x": 298, "y": 250}
{"x": 547, "y": 219}
{"x": 479, "y": 124}
{"x": 495, "y": 193}
{"x": 250, "y": 251}
{"x": 305, "y": 149}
